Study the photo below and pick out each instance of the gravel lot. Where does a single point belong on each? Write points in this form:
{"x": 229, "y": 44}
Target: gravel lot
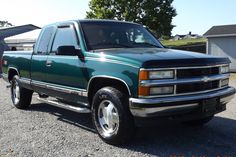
{"x": 44, "y": 130}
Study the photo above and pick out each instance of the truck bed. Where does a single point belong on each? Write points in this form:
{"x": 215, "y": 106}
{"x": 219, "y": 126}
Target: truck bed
{"x": 20, "y": 60}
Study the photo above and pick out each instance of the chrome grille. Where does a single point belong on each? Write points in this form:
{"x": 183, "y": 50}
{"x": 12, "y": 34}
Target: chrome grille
{"x": 189, "y": 73}
{"x": 196, "y": 87}
{"x": 199, "y": 86}
{"x": 189, "y": 80}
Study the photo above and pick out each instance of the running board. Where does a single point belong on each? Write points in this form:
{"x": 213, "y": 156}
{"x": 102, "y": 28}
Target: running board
{"x": 64, "y": 106}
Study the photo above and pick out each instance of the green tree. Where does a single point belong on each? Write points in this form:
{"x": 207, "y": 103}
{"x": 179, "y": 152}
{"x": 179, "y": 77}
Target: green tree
{"x": 5, "y": 24}
{"x": 157, "y": 15}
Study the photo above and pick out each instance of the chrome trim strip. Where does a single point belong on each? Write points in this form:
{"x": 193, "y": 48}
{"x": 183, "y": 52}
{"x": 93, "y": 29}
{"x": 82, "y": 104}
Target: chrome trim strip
{"x": 25, "y": 81}
{"x": 109, "y": 77}
{"x": 81, "y": 92}
{"x": 146, "y": 112}
{"x": 183, "y": 94}
{"x": 221, "y": 92}
{"x": 175, "y": 87}
{"x": 148, "y": 83}
{"x": 195, "y": 67}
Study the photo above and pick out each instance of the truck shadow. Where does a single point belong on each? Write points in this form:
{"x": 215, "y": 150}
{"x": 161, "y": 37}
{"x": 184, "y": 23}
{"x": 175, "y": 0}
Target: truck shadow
{"x": 218, "y": 137}
{"x": 83, "y": 121}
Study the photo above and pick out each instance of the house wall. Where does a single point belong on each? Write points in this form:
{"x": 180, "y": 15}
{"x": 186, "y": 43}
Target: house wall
{"x": 21, "y": 44}
{"x": 224, "y": 47}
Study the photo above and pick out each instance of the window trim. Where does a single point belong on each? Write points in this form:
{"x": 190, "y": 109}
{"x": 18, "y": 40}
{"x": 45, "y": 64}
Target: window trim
{"x": 62, "y": 26}
{"x": 37, "y": 44}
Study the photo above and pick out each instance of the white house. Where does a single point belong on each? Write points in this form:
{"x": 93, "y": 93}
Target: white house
{"x": 24, "y": 41}
{"x": 222, "y": 42}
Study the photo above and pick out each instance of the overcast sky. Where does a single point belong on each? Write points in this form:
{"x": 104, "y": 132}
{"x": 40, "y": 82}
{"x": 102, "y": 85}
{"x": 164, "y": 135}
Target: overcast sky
{"x": 196, "y": 16}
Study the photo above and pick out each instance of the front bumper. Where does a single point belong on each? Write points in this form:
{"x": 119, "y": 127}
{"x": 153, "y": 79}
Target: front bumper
{"x": 176, "y": 105}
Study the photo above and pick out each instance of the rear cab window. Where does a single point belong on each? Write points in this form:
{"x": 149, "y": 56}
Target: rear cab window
{"x": 44, "y": 40}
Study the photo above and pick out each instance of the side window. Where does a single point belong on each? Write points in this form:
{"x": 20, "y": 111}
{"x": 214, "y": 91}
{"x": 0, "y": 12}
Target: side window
{"x": 65, "y": 36}
{"x": 44, "y": 40}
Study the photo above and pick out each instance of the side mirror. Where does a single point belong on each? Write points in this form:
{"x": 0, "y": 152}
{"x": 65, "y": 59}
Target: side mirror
{"x": 67, "y": 51}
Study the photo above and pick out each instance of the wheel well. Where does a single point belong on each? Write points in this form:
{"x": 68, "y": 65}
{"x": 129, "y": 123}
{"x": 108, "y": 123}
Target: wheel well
{"x": 11, "y": 74}
{"x": 98, "y": 83}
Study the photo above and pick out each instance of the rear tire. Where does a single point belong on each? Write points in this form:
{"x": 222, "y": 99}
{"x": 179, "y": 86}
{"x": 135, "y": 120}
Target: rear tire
{"x": 21, "y": 97}
{"x": 111, "y": 116}
{"x": 198, "y": 122}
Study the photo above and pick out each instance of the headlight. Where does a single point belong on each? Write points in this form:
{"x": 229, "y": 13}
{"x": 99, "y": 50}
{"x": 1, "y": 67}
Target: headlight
{"x": 224, "y": 69}
{"x": 149, "y": 76}
{"x": 161, "y": 90}
{"x": 162, "y": 74}
{"x": 224, "y": 82}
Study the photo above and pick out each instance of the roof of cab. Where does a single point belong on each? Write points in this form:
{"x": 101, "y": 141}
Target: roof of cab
{"x": 88, "y": 21}
{"x": 104, "y": 20}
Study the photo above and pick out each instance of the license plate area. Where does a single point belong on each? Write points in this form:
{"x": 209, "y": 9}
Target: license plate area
{"x": 210, "y": 105}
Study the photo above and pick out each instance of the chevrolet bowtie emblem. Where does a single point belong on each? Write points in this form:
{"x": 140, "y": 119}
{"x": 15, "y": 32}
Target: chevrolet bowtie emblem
{"x": 206, "y": 79}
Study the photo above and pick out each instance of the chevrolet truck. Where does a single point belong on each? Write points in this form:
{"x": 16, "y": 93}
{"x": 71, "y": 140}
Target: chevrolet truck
{"x": 120, "y": 73}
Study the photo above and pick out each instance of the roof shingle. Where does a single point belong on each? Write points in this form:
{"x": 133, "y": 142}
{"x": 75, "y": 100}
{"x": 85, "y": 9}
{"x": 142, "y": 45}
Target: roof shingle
{"x": 224, "y": 30}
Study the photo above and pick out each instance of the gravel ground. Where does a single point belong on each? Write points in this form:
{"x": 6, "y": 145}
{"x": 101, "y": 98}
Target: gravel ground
{"x": 44, "y": 130}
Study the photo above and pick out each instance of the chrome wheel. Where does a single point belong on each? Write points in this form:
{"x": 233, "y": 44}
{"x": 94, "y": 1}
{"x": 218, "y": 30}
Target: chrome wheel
{"x": 15, "y": 93}
{"x": 111, "y": 116}
{"x": 108, "y": 117}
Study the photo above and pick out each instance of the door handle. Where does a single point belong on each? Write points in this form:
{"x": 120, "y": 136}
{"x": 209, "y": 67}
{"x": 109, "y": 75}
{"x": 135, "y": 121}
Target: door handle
{"x": 48, "y": 63}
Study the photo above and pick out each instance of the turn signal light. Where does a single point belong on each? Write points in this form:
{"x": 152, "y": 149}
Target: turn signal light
{"x": 143, "y": 91}
{"x": 143, "y": 75}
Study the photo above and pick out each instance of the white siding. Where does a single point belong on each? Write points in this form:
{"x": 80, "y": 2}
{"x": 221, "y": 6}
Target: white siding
{"x": 223, "y": 46}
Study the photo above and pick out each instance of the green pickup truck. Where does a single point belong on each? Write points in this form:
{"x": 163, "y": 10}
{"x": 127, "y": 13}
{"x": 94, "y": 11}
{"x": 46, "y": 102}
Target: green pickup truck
{"x": 120, "y": 73}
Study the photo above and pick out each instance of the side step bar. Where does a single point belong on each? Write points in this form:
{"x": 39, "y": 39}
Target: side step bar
{"x": 59, "y": 104}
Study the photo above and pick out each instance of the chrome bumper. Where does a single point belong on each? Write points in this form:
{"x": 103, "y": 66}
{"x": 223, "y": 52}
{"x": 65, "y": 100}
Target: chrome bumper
{"x": 170, "y": 105}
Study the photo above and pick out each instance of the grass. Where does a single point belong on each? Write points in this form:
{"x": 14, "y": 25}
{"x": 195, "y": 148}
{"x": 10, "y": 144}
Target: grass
{"x": 183, "y": 42}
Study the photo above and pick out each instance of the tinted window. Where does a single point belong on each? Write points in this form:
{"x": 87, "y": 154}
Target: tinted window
{"x": 44, "y": 40}
{"x": 64, "y": 37}
{"x": 103, "y": 35}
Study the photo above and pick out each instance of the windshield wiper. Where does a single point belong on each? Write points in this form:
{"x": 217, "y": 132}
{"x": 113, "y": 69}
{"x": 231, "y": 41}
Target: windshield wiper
{"x": 110, "y": 44}
{"x": 147, "y": 44}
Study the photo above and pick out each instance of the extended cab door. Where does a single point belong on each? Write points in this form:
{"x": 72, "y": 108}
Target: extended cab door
{"x": 65, "y": 72}
{"x": 39, "y": 58}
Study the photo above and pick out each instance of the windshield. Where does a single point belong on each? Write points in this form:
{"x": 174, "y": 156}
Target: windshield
{"x": 105, "y": 35}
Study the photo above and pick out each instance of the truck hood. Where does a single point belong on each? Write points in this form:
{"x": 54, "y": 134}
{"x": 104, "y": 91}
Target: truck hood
{"x": 160, "y": 57}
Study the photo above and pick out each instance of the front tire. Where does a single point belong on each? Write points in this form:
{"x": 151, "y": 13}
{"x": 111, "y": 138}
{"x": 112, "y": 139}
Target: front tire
{"x": 21, "y": 97}
{"x": 111, "y": 116}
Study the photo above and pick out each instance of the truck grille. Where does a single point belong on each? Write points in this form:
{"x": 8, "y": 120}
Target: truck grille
{"x": 189, "y": 73}
{"x": 191, "y": 80}
{"x": 196, "y": 87}
{"x": 200, "y": 86}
